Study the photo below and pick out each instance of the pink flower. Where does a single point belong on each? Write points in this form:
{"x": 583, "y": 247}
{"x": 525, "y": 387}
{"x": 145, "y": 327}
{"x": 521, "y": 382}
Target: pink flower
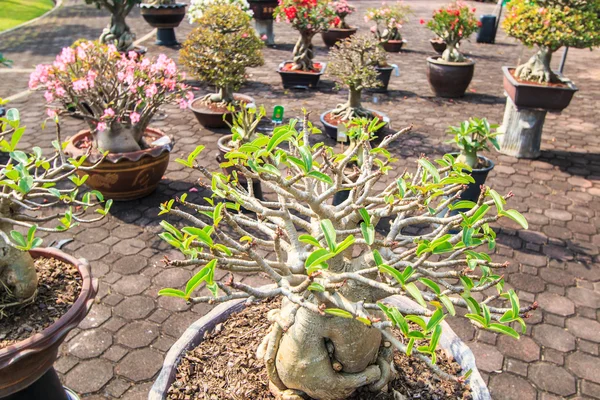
{"x": 183, "y": 104}
{"x": 48, "y": 96}
{"x": 373, "y": 29}
{"x": 244, "y": 35}
{"x": 59, "y": 90}
{"x": 189, "y": 96}
{"x": 263, "y": 37}
{"x": 80, "y": 84}
{"x": 51, "y": 112}
{"x": 422, "y": 21}
{"x": 108, "y": 113}
{"x": 151, "y": 90}
{"x": 134, "y": 117}
{"x": 101, "y": 127}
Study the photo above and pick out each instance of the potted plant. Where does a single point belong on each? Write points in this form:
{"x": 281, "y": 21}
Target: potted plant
{"x": 549, "y": 25}
{"x": 451, "y": 74}
{"x": 388, "y": 22}
{"x": 117, "y": 96}
{"x": 438, "y": 45}
{"x": 217, "y": 52}
{"x": 42, "y": 288}
{"x": 117, "y": 32}
{"x": 164, "y": 15}
{"x": 308, "y": 17}
{"x": 353, "y": 62}
{"x": 471, "y": 137}
{"x": 344, "y": 289}
{"x": 339, "y": 28}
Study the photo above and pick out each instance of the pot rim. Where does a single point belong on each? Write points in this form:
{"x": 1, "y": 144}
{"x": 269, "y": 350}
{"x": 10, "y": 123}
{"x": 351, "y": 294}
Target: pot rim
{"x": 55, "y": 332}
{"x": 194, "y": 334}
{"x": 133, "y": 156}
{"x": 488, "y": 161}
{"x": 438, "y": 61}
{"x": 283, "y": 63}
{"x": 163, "y": 6}
{"x": 570, "y": 85}
{"x": 221, "y": 143}
{"x": 207, "y": 111}
{"x": 351, "y": 29}
{"x": 385, "y": 119}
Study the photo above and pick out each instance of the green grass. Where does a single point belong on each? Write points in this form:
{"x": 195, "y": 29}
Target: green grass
{"x": 15, "y": 12}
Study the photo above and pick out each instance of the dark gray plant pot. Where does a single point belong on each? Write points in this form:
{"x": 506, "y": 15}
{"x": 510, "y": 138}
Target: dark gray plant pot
{"x": 480, "y": 175}
{"x": 194, "y": 335}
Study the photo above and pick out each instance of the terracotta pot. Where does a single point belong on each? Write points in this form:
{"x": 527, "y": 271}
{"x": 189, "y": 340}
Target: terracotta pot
{"x": 263, "y": 9}
{"x": 449, "y": 79}
{"x": 164, "y": 17}
{"x": 25, "y": 362}
{"x": 300, "y": 79}
{"x": 334, "y": 35}
{"x": 331, "y": 130}
{"x": 126, "y": 176}
{"x": 224, "y": 149}
{"x": 532, "y": 95}
{"x": 194, "y": 335}
{"x": 438, "y": 45}
{"x": 214, "y": 119}
{"x": 393, "y": 46}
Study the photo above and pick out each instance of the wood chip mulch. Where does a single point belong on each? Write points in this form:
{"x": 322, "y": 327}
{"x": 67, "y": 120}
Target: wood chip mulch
{"x": 224, "y": 366}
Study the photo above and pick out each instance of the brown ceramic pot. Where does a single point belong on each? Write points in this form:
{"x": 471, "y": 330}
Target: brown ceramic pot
{"x": 393, "y": 46}
{"x": 215, "y": 119}
{"x": 126, "y": 176}
{"x": 449, "y": 79}
{"x": 24, "y": 362}
{"x": 223, "y": 145}
{"x": 333, "y": 35}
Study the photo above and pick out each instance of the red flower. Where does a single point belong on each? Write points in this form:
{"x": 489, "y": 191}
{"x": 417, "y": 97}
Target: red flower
{"x": 473, "y": 9}
{"x": 422, "y": 21}
{"x": 336, "y": 21}
{"x": 290, "y": 12}
{"x": 479, "y": 24}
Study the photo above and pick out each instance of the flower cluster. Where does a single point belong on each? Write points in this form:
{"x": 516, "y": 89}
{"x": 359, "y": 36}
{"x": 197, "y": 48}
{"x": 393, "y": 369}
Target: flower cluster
{"x": 306, "y": 16}
{"x": 107, "y": 87}
{"x": 342, "y": 9}
{"x": 198, "y": 7}
{"x": 453, "y": 23}
{"x": 388, "y": 20}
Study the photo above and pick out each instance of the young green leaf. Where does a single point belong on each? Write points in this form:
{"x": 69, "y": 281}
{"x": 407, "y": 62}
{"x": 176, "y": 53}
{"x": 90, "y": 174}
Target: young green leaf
{"x": 329, "y": 233}
{"x": 336, "y": 312}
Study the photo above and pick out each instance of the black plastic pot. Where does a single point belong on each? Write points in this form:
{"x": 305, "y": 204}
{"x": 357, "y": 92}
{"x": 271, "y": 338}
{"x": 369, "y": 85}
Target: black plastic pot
{"x": 449, "y": 79}
{"x": 487, "y": 31}
{"x": 480, "y": 175}
{"x": 384, "y": 75}
{"x": 165, "y": 18}
{"x": 263, "y": 9}
{"x": 300, "y": 79}
{"x": 331, "y": 129}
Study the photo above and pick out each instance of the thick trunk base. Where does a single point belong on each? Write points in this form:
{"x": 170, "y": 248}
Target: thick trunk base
{"x": 118, "y": 139}
{"x": 521, "y": 131}
{"x": 17, "y": 274}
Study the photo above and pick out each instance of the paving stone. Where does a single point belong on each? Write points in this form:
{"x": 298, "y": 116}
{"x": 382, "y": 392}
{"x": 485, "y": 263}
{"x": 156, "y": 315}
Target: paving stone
{"x": 135, "y": 307}
{"x": 554, "y": 337}
{"x": 65, "y": 363}
{"x": 138, "y": 392}
{"x": 507, "y": 386}
{"x": 584, "y": 328}
{"x": 117, "y": 387}
{"x": 556, "y": 304}
{"x": 138, "y": 334}
{"x": 553, "y": 356}
{"x": 174, "y": 278}
{"x": 90, "y": 343}
{"x": 527, "y": 282}
{"x": 551, "y": 378}
{"x": 487, "y": 357}
{"x": 93, "y": 252}
{"x": 584, "y": 297}
{"x": 590, "y": 389}
{"x": 524, "y": 349}
{"x": 115, "y": 353}
{"x": 560, "y": 215}
{"x": 584, "y": 366}
{"x": 516, "y": 367}
{"x": 139, "y": 365}
{"x": 96, "y": 317}
{"x": 129, "y": 246}
{"x": 96, "y": 372}
{"x": 130, "y": 264}
{"x": 131, "y": 285}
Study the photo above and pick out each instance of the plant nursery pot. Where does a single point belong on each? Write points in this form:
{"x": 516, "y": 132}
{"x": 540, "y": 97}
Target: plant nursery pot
{"x": 164, "y": 17}
{"x": 393, "y": 46}
{"x": 125, "y": 176}
{"x": 449, "y": 79}
{"x": 300, "y": 79}
{"x": 194, "y": 335}
{"x": 384, "y": 74}
{"x": 334, "y": 35}
{"x": 553, "y": 97}
{"x": 438, "y": 45}
{"x": 26, "y": 366}
{"x": 332, "y": 131}
{"x": 480, "y": 175}
{"x": 224, "y": 149}
{"x": 263, "y": 9}
{"x": 210, "y": 118}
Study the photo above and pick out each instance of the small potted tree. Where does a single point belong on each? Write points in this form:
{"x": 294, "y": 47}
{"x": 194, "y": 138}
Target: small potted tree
{"x": 198, "y": 7}
{"x": 339, "y": 28}
{"x": 353, "y": 64}
{"x": 43, "y": 289}
{"x": 308, "y": 18}
{"x": 117, "y": 32}
{"x": 117, "y": 96}
{"x": 218, "y": 52}
{"x": 451, "y": 74}
{"x": 165, "y": 16}
{"x": 388, "y": 22}
{"x": 472, "y": 137}
{"x": 344, "y": 289}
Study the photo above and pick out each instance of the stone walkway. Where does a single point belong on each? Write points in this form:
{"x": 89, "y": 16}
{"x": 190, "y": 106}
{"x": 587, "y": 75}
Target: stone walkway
{"x": 118, "y": 349}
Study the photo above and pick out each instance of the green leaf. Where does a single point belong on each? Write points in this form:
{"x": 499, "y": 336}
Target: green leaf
{"x": 317, "y": 257}
{"x": 431, "y": 169}
{"x": 498, "y": 200}
{"x": 506, "y": 330}
{"x": 18, "y": 238}
{"x": 365, "y": 215}
{"x": 377, "y": 257}
{"x": 306, "y": 158}
{"x": 515, "y": 216}
{"x": 431, "y": 285}
{"x": 172, "y": 293}
{"x": 309, "y": 240}
{"x": 336, "y": 312}
{"x": 473, "y": 305}
{"x": 448, "y": 304}
{"x": 514, "y": 302}
{"x": 316, "y": 287}
{"x": 349, "y": 241}
{"x": 415, "y": 293}
{"x": 170, "y": 228}
{"x": 477, "y": 318}
{"x": 204, "y": 275}
{"x": 330, "y": 234}
{"x": 435, "y": 338}
{"x": 368, "y": 232}
{"x": 409, "y": 347}
{"x": 279, "y": 135}
{"x": 202, "y": 236}
{"x": 437, "y": 317}
{"x": 392, "y": 271}
{"x": 321, "y": 176}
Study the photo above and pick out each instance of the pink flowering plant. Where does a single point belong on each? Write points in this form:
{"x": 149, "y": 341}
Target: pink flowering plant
{"x": 388, "y": 20}
{"x": 116, "y": 94}
{"x": 452, "y": 24}
{"x": 342, "y": 9}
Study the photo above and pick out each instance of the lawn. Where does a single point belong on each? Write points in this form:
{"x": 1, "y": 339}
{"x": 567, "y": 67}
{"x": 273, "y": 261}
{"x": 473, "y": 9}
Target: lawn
{"x": 15, "y": 12}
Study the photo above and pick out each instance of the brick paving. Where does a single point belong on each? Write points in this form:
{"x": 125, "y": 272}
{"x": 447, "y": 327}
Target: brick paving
{"x": 117, "y": 351}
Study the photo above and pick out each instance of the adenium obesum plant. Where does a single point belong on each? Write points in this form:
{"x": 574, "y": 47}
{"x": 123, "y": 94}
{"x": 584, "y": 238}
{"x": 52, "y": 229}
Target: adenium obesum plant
{"x": 335, "y": 330}
{"x": 117, "y": 94}
{"x": 308, "y": 17}
{"x": 198, "y": 7}
{"x": 353, "y": 63}
{"x": 471, "y": 137}
{"x": 220, "y": 49}
{"x": 342, "y": 9}
{"x": 550, "y": 25}
{"x": 452, "y": 24}
{"x": 117, "y": 32}
{"x": 31, "y": 183}
{"x": 388, "y": 20}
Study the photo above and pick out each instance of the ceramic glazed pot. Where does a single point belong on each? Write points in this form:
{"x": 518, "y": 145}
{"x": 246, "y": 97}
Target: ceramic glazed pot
{"x": 215, "y": 119}
{"x": 126, "y": 176}
{"x": 333, "y": 35}
{"x": 194, "y": 335}
{"x": 24, "y": 363}
{"x": 224, "y": 149}
{"x": 300, "y": 79}
{"x": 164, "y": 17}
{"x": 263, "y": 9}
{"x": 438, "y": 45}
{"x": 393, "y": 46}
{"x": 449, "y": 79}
{"x": 532, "y": 95}
{"x": 331, "y": 130}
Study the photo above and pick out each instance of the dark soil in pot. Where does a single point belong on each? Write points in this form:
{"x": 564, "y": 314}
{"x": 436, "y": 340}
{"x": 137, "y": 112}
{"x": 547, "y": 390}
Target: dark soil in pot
{"x": 330, "y": 123}
{"x": 393, "y": 46}
{"x": 215, "y": 115}
{"x": 300, "y": 79}
{"x": 229, "y": 351}
{"x": 449, "y": 79}
{"x": 333, "y": 35}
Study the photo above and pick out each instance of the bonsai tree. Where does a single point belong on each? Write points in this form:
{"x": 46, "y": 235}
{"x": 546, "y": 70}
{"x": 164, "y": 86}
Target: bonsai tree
{"x": 471, "y": 137}
{"x": 117, "y": 95}
{"x": 388, "y": 20}
{"x": 353, "y": 63}
{"x": 308, "y": 17}
{"x": 342, "y": 9}
{"x": 198, "y": 7}
{"x": 220, "y": 49}
{"x": 549, "y": 25}
{"x": 335, "y": 331}
{"x": 31, "y": 183}
{"x": 452, "y": 24}
{"x": 117, "y": 32}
